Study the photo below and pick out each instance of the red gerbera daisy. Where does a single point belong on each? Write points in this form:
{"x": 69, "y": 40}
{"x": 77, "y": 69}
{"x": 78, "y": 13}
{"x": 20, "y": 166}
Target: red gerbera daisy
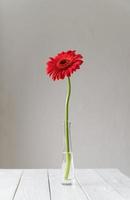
{"x": 63, "y": 64}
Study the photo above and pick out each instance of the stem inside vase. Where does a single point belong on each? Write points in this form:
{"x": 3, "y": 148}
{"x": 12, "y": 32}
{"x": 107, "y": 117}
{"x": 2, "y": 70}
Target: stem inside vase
{"x": 67, "y": 142}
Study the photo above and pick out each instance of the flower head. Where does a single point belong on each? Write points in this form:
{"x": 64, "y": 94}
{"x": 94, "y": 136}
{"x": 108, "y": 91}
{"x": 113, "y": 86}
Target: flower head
{"x": 63, "y": 64}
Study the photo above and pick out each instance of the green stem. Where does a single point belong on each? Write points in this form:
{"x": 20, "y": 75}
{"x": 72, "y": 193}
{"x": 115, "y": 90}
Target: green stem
{"x": 68, "y": 154}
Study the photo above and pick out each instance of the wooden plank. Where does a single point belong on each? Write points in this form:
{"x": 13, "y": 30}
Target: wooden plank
{"x": 9, "y": 180}
{"x": 64, "y": 192}
{"x": 117, "y": 180}
{"x": 33, "y": 186}
{"x": 95, "y": 187}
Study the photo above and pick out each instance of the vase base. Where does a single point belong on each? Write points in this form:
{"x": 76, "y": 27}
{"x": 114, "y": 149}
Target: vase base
{"x": 68, "y": 182}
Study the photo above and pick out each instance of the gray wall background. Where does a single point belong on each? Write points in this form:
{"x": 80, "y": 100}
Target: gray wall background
{"x": 32, "y": 106}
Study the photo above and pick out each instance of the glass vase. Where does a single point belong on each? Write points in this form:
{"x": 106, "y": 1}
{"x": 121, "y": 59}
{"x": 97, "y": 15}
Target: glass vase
{"x": 68, "y": 177}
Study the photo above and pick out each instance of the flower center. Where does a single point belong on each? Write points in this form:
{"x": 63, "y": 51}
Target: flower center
{"x": 63, "y": 63}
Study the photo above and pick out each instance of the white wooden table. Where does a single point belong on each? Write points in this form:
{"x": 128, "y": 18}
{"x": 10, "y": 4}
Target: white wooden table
{"x": 41, "y": 184}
